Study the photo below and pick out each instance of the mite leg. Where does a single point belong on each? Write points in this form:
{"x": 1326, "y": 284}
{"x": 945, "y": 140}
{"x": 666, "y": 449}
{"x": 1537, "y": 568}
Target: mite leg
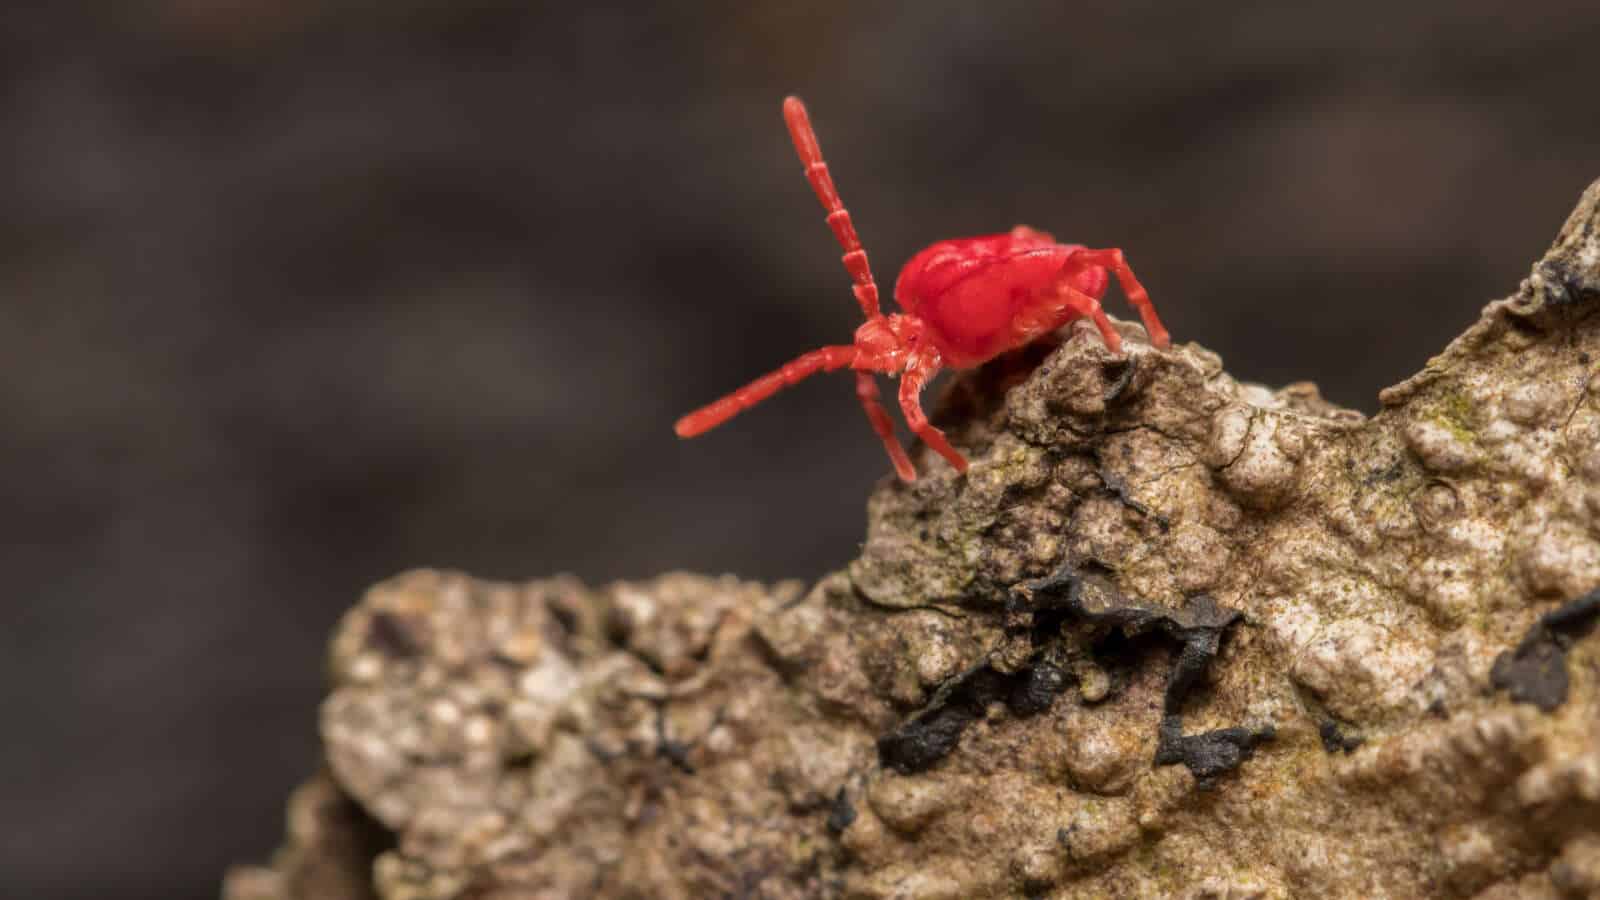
{"x": 844, "y": 229}
{"x": 798, "y": 369}
{"x": 1086, "y": 305}
{"x": 867, "y": 391}
{"x": 1137, "y": 296}
{"x": 912, "y": 382}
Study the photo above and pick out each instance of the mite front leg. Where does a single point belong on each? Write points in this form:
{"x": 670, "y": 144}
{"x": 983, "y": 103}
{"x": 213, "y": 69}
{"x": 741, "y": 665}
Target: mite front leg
{"x": 867, "y": 392}
{"x": 916, "y": 376}
{"x": 796, "y": 370}
{"x": 1137, "y": 296}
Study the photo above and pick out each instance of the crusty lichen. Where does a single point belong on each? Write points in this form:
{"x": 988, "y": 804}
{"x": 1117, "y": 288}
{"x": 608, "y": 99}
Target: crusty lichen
{"x": 690, "y": 736}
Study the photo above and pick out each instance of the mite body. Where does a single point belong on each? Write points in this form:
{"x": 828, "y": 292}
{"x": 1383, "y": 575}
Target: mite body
{"x": 965, "y": 301}
{"x": 983, "y": 296}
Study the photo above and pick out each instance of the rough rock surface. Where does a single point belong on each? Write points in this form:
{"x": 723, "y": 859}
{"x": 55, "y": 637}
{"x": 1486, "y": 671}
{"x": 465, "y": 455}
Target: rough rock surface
{"x": 1171, "y": 636}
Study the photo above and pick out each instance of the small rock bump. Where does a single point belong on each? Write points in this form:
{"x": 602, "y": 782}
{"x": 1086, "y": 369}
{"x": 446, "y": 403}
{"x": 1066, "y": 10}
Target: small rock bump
{"x": 1199, "y": 556}
{"x": 1438, "y": 446}
{"x": 1094, "y": 834}
{"x": 810, "y": 766}
{"x": 1101, "y": 757}
{"x": 1260, "y": 475}
{"x": 1560, "y": 559}
{"x": 1471, "y": 853}
{"x": 1291, "y": 438}
{"x": 1229, "y": 427}
{"x": 1589, "y": 463}
{"x": 1577, "y": 872}
{"x": 909, "y": 803}
{"x": 1532, "y": 403}
{"x": 1038, "y": 867}
{"x": 1094, "y": 683}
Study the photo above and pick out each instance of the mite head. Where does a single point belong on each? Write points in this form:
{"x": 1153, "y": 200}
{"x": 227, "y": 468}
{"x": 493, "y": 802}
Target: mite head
{"x": 885, "y": 343}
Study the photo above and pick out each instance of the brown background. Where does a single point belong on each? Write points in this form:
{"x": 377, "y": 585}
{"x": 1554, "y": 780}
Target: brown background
{"x": 294, "y": 295}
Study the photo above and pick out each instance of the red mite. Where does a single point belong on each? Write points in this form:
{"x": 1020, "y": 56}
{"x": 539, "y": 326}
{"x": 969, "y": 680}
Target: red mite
{"x": 966, "y": 301}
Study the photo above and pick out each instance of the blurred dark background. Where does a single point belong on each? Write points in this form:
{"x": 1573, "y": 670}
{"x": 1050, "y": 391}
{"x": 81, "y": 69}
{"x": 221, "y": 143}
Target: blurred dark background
{"x": 295, "y": 294}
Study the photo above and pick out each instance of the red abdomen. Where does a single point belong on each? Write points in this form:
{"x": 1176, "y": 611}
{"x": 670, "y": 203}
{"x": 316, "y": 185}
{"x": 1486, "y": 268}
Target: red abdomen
{"x": 969, "y": 290}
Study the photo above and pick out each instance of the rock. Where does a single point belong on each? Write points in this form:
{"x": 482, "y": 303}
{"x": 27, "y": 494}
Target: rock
{"x": 328, "y": 852}
{"x": 1173, "y": 635}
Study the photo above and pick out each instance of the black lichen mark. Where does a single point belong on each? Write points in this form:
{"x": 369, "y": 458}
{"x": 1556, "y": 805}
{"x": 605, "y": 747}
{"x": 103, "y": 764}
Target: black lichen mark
{"x": 932, "y": 732}
{"x": 1566, "y": 285}
{"x": 604, "y": 755}
{"x": 1334, "y": 738}
{"x": 1211, "y": 754}
{"x": 1393, "y": 472}
{"x": 1124, "y": 377}
{"x": 842, "y": 814}
{"x": 1197, "y": 627}
{"x": 675, "y": 751}
{"x": 1536, "y": 671}
{"x": 1035, "y": 688}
